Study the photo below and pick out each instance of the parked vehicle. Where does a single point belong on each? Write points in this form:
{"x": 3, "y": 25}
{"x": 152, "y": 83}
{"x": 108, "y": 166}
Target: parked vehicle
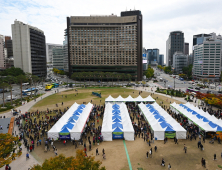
{"x": 48, "y": 87}
{"x": 28, "y": 91}
{"x": 8, "y": 98}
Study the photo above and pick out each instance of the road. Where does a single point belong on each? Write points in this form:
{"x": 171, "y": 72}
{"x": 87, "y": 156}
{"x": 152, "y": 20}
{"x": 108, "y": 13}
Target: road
{"x": 183, "y": 85}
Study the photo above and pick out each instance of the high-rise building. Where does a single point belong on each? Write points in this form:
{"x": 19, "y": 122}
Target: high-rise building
{"x": 2, "y": 52}
{"x": 207, "y": 60}
{"x": 57, "y": 58}
{"x": 106, "y": 43}
{"x": 49, "y": 47}
{"x": 8, "y": 45}
{"x": 161, "y": 60}
{"x": 65, "y": 53}
{"x": 175, "y": 42}
{"x": 186, "y": 48}
{"x": 29, "y": 48}
{"x": 199, "y": 38}
{"x": 190, "y": 59}
{"x": 153, "y": 56}
{"x": 180, "y": 60}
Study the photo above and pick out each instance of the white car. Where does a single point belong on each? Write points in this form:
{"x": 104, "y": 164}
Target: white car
{"x": 8, "y": 98}
{"x": 39, "y": 87}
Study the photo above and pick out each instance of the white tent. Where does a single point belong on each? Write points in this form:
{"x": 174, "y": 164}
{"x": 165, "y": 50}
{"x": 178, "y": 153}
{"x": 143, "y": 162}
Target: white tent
{"x": 129, "y": 99}
{"x": 127, "y": 128}
{"x": 155, "y": 122}
{"x": 70, "y": 123}
{"x": 110, "y": 99}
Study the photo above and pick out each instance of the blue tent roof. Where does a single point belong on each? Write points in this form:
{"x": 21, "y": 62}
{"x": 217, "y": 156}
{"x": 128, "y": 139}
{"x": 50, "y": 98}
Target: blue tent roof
{"x": 71, "y": 120}
{"x": 117, "y": 130}
{"x": 169, "y": 129}
{"x": 161, "y": 120}
{"x": 219, "y": 128}
{"x": 116, "y": 111}
{"x": 69, "y": 125}
{"x": 205, "y": 119}
{"x": 75, "y": 117}
{"x": 213, "y": 125}
{"x": 117, "y": 125}
{"x": 165, "y": 124}
{"x": 116, "y": 116}
{"x": 199, "y": 116}
{"x": 116, "y": 120}
{"x": 65, "y": 130}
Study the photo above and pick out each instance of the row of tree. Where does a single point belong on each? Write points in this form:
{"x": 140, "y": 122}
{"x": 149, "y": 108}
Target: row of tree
{"x": 100, "y": 76}
{"x": 12, "y": 72}
{"x": 57, "y": 71}
{"x": 6, "y": 83}
{"x": 149, "y": 73}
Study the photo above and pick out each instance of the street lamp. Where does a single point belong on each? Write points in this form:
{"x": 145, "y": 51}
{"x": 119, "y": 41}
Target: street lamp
{"x": 174, "y": 81}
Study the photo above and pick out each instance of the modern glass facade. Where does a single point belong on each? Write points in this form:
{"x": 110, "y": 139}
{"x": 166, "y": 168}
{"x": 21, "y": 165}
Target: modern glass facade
{"x": 153, "y": 56}
{"x": 57, "y": 61}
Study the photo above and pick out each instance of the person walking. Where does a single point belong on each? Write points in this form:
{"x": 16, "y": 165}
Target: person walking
{"x": 56, "y": 152}
{"x": 103, "y": 151}
{"x": 185, "y": 148}
{"x": 97, "y": 152}
{"x": 147, "y": 154}
{"x": 169, "y": 166}
{"x": 215, "y": 157}
{"x": 27, "y": 156}
{"x": 155, "y": 148}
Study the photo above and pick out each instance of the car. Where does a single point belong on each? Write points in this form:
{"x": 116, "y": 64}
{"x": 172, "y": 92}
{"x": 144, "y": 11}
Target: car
{"x": 209, "y": 92}
{"x": 197, "y": 88}
{"x": 219, "y": 91}
{"x": 8, "y": 98}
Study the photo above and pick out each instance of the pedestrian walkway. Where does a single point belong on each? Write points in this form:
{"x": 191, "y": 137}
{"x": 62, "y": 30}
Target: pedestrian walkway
{"x": 21, "y": 163}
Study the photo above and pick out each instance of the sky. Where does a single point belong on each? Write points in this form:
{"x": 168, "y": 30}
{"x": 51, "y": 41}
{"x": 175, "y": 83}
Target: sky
{"x": 160, "y": 17}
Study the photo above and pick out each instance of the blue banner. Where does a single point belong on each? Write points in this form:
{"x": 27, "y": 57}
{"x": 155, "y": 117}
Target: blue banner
{"x": 117, "y": 135}
{"x": 64, "y": 136}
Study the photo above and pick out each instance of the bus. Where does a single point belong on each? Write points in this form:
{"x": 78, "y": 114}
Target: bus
{"x": 55, "y": 85}
{"x": 48, "y": 87}
{"x": 28, "y": 92}
{"x": 189, "y": 90}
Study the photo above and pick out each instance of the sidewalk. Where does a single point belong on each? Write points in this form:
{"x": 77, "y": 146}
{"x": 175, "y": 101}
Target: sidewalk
{"x": 21, "y": 163}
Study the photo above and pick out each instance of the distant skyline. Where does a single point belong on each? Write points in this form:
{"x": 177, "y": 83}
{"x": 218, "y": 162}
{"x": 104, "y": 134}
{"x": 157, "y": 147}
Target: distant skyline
{"x": 160, "y": 17}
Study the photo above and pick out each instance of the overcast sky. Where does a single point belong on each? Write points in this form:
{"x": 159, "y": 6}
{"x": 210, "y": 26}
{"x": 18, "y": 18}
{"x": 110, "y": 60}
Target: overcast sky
{"x": 160, "y": 17}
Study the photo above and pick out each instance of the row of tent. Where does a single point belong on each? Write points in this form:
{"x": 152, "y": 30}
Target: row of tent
{"x": 161, "y": 123}
{"x": 205, "y": 121}
{"x": 117, "y": 123}
{"x": 129, "y": 99}
{"x": 72, "y": 123}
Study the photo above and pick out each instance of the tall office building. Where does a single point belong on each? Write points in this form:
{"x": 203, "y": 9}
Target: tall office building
{"x": 49, "y": 55}
{"x": 186, "y": 48}
{"x": 8, "y": 45}
{"x": 190, "y": 59}
{"x": 175, "y": 42}
{"x": 29, "y": 49}
{"x": 207, "y": 60}
{"x": 180, "y": 60}
{"x": 161, "y": 60}
{"x": 57, "y": 58}
{"x": 153, "y": 56}
{"x": 65, "y": 53}
{"x": 2, "y": 52}
{"x": 106, "y": 43}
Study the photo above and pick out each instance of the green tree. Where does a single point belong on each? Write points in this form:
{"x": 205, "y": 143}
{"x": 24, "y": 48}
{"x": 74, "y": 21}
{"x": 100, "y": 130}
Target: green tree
{"x": 7, "y": 146}
{"x": 4, "y": 86}
{"x": 74, "y": 76}
{"x": 35, "y": 80}
{"x": 167, "y": 69}
{"x": 108, "y": 76}
{"x": 10, "y": 79}
{"x": 89, "y": 75}
{"x": 149, "y": 72}
{"x": 21, "y": 79}
{"x": 188, "y": 71}
{"x": 129, "y": 77}
{"x": 12, "y": 72}
{"x": 80, "y": 162}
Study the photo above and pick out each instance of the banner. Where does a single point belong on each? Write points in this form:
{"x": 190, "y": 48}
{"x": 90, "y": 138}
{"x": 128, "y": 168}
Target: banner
{"x": 64, "y": 135}
{"x": 117, "y": 135}
{"x": 170, "y": 134}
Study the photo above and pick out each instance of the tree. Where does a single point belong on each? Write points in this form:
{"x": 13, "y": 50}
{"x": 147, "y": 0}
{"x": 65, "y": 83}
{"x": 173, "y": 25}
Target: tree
{"x": 10, "y": 79}
{"x": 188, "y": 71}
{"x": 74, "y": 76}
{"x": 167, "y": 69}
{"x": 4, "y": 86}
{"x": 129, "y": 77}
{"x": 12, "y": 72}
{"x": 7, "y": 146}
{"x": 20, "y": 79}
{"x": 149, "y": 72}
{"x": 108, "y": 75}
{"x": 79, "y": 162}
{"x": 35, "y": 79}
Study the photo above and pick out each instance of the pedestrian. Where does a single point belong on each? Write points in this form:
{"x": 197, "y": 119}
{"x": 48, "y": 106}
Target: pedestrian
{"x": 155, "y": 148}
{"x": 56, "y": 152}
{"x": 103, "y": 151}
{"x": 62, "y": 103}
{"x": 64, "y": 142}
{"x": 150, "y": 153}
{"x": 97, "y": 152}
{"x": 163, "y": 162}
{"x": 27, "y": 156}
{"x": 215, "y": 157}
{"x": 147, "y": 154}
{"x": 185, "y": 148}
{"x": 169, "y": 166}
{"x": 202, "y": 161}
